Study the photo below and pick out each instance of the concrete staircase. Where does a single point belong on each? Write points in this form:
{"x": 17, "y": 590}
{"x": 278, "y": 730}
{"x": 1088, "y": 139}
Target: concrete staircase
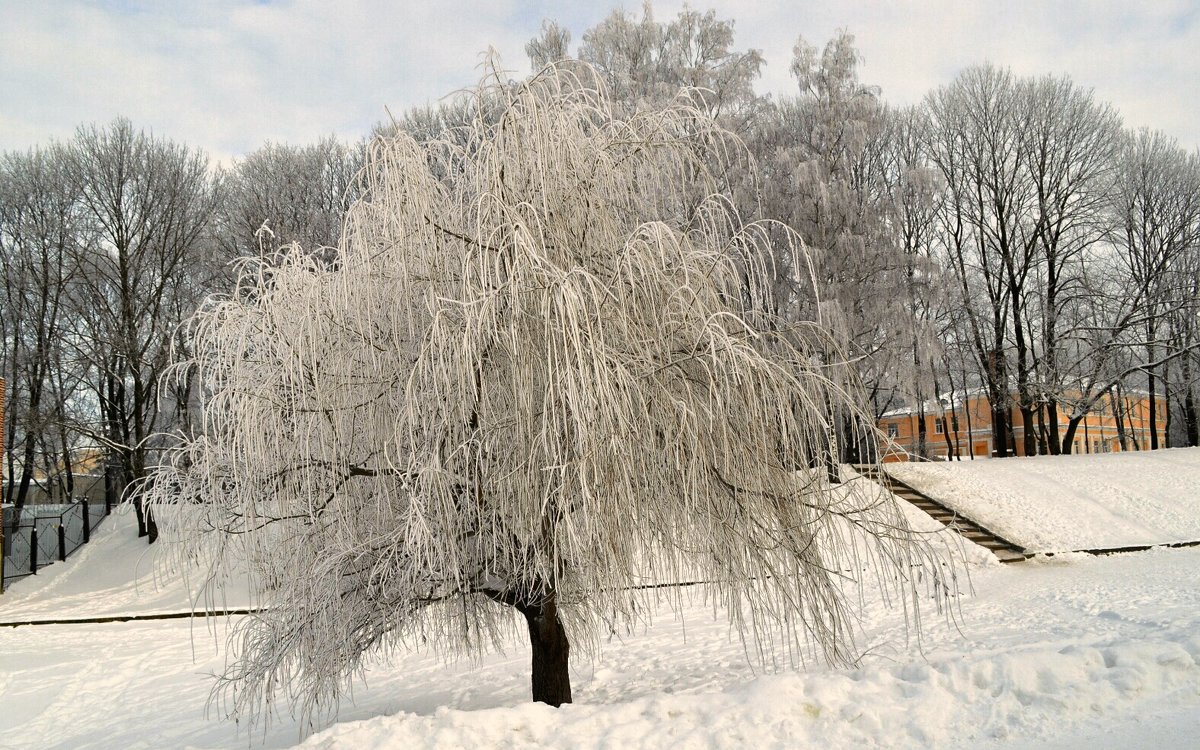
{"x": 1003, "y": 549}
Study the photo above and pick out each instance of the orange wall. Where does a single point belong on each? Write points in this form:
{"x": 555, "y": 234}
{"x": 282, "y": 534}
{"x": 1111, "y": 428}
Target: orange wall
{"x": 1098, "y": 429}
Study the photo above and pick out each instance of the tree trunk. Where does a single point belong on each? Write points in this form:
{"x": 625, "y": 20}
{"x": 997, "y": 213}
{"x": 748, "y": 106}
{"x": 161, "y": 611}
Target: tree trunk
{"x": 1153, "y": 410}
{"x": 1052, "y": 417}
{"x": 1119, "y": 415}
{"x": 1191, "y": 417}
{"x": 951, "y": 443}
{"x": 1166, "y": 383}
{"x": 1068, "y": 439}
{"x": 998, "y": 400}
{"x": 141, "y": 518}
{"x": 1028, "y": 428}
{"x": 26, "y": 472}
{"x": 151, "y": 527}
{"x": 1151, "y": 385}
{"x": 1043, "y": 438}
{"x": 1001, "y": 435}
{"x": 922, "y": 431}
{"x": 551, "y": 650}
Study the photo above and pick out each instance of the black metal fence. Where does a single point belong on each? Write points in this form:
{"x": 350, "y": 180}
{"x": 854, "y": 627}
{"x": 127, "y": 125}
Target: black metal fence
{"x": 39, "y": 535}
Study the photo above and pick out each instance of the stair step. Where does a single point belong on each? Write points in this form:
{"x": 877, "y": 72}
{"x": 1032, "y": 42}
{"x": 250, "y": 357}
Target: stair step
{"x": 1006, "y": 556}
{"x": 941, "y": 514}
{"x": 969, "y": 530}
{"x": 993, "y": 544}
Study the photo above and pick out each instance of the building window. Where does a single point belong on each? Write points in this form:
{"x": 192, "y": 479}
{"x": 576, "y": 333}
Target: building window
{"x": 893, "y": 430}
{"x": 938, "y": 426}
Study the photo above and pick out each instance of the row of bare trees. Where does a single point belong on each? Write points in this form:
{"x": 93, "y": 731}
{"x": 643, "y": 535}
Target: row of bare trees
{"x": 1072, "y": 244}
{"x": 1006, "y": 235}
{"x": 110, "y": 241}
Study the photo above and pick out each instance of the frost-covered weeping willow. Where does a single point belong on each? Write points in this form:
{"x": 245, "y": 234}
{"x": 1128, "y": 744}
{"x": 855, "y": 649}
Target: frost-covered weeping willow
{"x": 539, "y": 377}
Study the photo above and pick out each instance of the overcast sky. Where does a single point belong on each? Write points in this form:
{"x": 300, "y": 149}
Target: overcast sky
{"x": 228, "y": 75}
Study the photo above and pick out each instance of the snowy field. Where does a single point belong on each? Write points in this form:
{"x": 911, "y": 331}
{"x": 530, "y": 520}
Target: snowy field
{"x": 1056, "y": 503}
{"x": 1065, "y": 652}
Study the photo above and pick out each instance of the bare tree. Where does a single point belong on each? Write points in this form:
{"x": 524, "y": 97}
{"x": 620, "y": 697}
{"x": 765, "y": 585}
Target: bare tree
{"x": 149, "y": 203}
{"x": 1157, "y": 221}
{"x": 281, "y": 195}
{"x": 534, "y": 382}
{"x": 1071, "y": 160}
{"x": 913, "y": 198}
{"x": 980, "y": 142}
{"x": 40, "y": 236}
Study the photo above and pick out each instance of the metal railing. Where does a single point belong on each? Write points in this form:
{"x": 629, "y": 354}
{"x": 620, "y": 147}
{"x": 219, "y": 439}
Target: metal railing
{"x": 37, "y": 535}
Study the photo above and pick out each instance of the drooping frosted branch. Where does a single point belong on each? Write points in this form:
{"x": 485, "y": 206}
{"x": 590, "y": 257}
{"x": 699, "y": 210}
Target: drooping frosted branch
{"x": 545, "y": 362}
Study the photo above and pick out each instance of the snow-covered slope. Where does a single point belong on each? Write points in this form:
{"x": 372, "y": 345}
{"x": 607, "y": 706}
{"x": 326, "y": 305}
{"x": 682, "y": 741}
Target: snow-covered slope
{"x": 115, "y": 574}
{"x": 1056, "y": 503}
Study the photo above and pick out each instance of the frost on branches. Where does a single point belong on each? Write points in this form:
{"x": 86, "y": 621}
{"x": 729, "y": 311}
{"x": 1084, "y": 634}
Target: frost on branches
{"x": 538, "y": 378}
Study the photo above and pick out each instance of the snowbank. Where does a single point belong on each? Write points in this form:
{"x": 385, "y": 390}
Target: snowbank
{"x": 1056, "y": 503}
{"x": 951, "y": 702}
{"x": 1044, "y": 652}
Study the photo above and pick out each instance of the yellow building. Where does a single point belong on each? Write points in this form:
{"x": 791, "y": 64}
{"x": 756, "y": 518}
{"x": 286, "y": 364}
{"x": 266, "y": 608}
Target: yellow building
{"x": 963, "y": 428}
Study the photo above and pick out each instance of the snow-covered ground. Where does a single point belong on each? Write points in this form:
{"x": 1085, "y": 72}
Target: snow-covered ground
{"x": 116, "y": 574}
{"x": 1065, "y": 652}
{"x": 1056, "y": 503}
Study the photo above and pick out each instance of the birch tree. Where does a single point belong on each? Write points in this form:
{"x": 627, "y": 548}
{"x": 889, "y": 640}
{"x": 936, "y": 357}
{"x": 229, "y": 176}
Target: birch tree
{"x": 534, "y": 384}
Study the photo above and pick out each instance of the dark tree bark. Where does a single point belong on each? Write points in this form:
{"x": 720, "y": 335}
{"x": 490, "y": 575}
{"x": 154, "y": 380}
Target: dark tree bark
{"x": 1151, "y": 385}
{"x": 1119, "y": 418}
{"x": 551, "y": 678}
{"x": 1043, "y": 435}
{"x": 951, "y": 443}
{"x": 998, "y": 399}
{"x": 151, "y": 527}
{"x": 1028, "y": 430}
{"x": 1052, "y": 417}
{"x": 1191, "y": 417}
{"x": 922, "y": 431}
{"x": 1068, "y": 439}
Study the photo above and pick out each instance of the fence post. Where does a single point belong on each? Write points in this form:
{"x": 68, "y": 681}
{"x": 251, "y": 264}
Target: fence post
{"x": 1, "y": 558}
{"x": 33, "y": 549}
{"x": 87, "y": 522}
{"x": 62, "y": 540}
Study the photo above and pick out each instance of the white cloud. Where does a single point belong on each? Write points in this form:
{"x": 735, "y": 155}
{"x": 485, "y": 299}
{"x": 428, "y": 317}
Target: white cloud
{"x": 228, "y": 75}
